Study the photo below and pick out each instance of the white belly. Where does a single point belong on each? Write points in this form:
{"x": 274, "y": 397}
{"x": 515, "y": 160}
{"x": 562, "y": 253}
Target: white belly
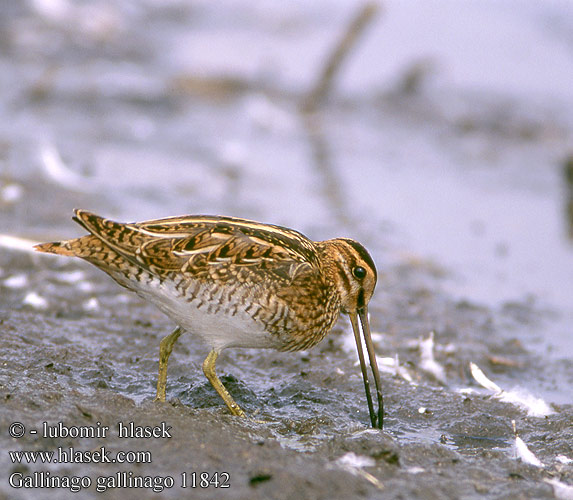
{"x": 222, "y": 325}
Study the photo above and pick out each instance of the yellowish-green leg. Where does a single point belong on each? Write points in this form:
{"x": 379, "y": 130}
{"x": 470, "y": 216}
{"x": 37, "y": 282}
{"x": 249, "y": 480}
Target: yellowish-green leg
{"x": 165, "y": 348}
{"x": 209, "y": 371}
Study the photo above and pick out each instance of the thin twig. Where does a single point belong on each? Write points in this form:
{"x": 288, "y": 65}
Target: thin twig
{"x": 357, "y": 26}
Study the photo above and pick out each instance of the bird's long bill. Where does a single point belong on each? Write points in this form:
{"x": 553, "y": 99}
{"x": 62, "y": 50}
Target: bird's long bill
{"x": 376, "y": 419}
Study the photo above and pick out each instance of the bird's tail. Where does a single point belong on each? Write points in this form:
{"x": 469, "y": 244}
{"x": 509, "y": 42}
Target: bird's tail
{"x": 58, "y": 247}
{"x": 82, "y": 247}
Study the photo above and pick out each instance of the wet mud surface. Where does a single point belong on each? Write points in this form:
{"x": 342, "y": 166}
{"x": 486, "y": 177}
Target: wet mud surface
{"x": 120, "y": 113}
{"x": 307, "y": 411}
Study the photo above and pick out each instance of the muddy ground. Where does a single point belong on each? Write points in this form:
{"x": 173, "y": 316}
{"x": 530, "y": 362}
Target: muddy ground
{"x": 306, "y": 410}
{"x": 119, "y": 110}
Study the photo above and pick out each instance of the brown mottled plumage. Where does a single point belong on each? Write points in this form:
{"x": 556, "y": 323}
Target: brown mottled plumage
{"x": 235, "y": 283}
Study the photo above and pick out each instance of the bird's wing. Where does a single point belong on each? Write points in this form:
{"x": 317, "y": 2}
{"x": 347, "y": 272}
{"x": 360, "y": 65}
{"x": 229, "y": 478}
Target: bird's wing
{"x": 208, "y": 247}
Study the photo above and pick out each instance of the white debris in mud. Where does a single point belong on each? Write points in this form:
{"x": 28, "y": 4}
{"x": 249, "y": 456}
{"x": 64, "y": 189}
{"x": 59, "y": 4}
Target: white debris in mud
{"x": 16, "y": 243}
{"x": 353, "y": 460}
{"x": 393, "y": 367}
{"x": 354, "y": 464}
{"x": 36, "y": 301}
{"x": 414, "y": 470}
{"x": 369, "y": 430}
{"x": 91, "y": 305}
{"x": 482, "y": 380}
{"x": 561, "y": 491}
{"x": 16, "y": 281}
{"x": 385, "y": 365}
{"x": 535, "y": 407}
{"x": 427, "y": 360}
{"x": 466, "y": 391}
{"x": 562, "y": 459}
{"x": 388, "y": 365}
{"x": 450, "y": 348}
{"x": 401, "y": 371}
{"x": 523, "y": 452}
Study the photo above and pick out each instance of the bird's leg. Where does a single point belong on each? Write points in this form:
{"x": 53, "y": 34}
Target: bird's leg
{"x": 165, "y": 348}
{"x": 209, "y": 371}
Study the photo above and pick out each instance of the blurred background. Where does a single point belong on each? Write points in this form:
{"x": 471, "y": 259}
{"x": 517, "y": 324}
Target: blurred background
{"x": 437, "y": 133}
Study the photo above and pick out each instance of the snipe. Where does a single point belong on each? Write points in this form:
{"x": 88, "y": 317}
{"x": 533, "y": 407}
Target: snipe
{"x": 235, "y": 283}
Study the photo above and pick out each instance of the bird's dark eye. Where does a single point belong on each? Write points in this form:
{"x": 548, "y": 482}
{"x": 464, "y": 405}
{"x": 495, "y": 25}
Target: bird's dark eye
{"x": 359, "y": 272}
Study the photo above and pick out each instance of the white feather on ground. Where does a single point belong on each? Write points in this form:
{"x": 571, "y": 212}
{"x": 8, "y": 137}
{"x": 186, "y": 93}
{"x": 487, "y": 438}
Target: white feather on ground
{"x": 523, "y": 452}
{"x": 427, "y": 360}
{"x": 561, "y": 490}
{"x": 354, "y": 464}
{"x": 535, "y": 407}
